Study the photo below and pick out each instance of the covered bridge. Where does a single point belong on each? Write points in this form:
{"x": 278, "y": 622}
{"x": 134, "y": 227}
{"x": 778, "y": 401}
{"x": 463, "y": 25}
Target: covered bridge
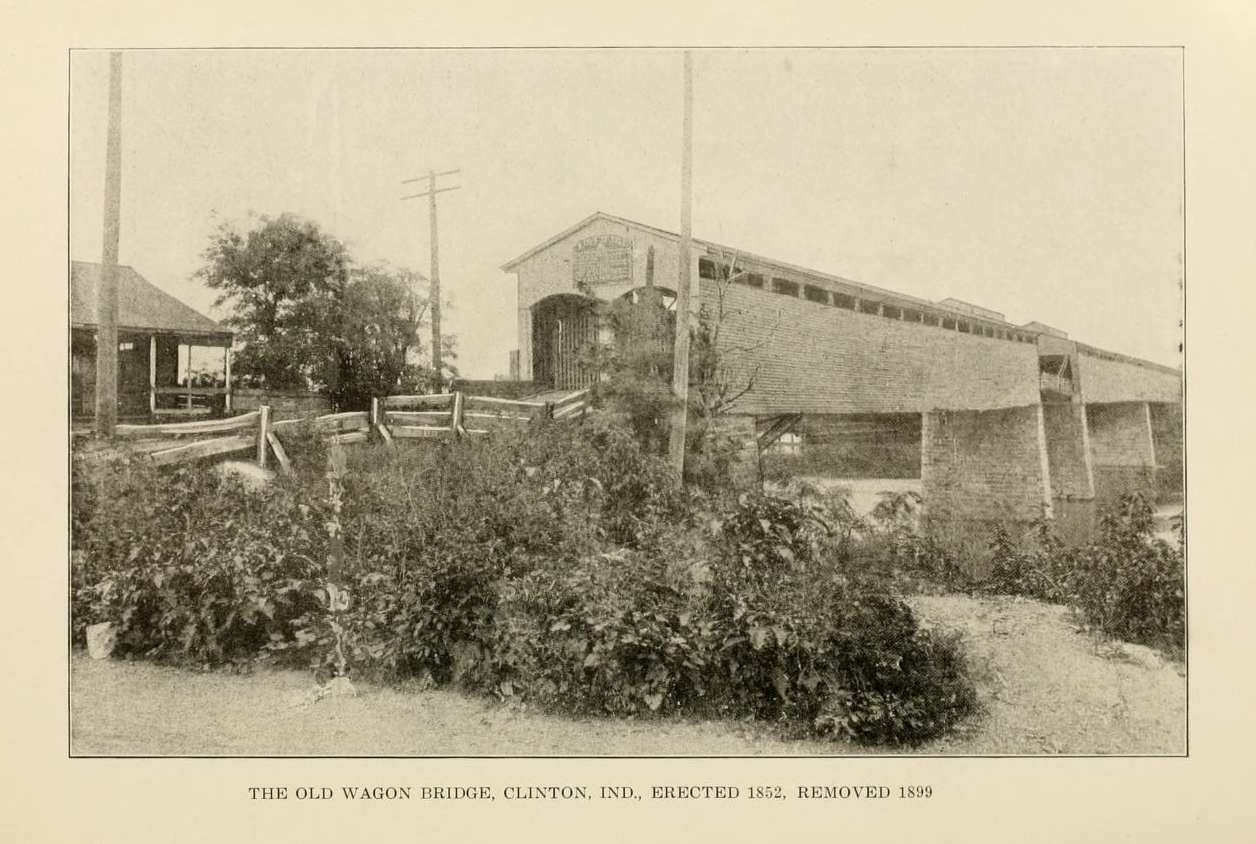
{"x": 998, "y": 420}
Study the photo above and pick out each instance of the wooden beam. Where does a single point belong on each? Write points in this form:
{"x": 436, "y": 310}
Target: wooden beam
{"x": 456, "y": 421}
{"x": 406, "y": 401}
{"x": 263, "y": 432}
{"x": 213, "y": 426}
{"x": 284, "y": 463}
{"x": 227, "y": 375}
{"x": 416, "y": 417}
{"x": 349, "y": 421}
{"x": 152, "y": 373}
{"x": 203, "y": 448}
{"x": 402, "y": 432}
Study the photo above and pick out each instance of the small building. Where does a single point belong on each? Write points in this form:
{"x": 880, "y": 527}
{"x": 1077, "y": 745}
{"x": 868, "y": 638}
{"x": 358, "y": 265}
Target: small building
{"x": 172, "y": 360}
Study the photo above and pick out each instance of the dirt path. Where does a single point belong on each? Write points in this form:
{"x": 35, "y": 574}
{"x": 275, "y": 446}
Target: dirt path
{"x": 1046, "y": 689}
{"x": 1049, "y": 687}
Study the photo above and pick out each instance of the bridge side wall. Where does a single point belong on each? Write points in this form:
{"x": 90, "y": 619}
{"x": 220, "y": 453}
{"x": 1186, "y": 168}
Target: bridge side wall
{"x": 1109, "y": 378}
{"x": 806, "y": 357}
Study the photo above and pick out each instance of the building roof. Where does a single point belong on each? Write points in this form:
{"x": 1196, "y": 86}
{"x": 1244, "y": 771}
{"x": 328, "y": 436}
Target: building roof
{"x": 951, "y": 306}
{"x": 141, "y": 305}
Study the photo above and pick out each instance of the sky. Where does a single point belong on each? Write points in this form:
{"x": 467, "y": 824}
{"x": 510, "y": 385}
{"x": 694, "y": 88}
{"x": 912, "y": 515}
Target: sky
{"x": 1045, "y": 184}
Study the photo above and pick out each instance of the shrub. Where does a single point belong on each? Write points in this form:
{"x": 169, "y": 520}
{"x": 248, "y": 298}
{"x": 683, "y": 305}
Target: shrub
{"x": 191, "y": 566}
{"x": 833, "y": 652}
{"x": 558, "y": 565}
{"x": 1126, "y": 583}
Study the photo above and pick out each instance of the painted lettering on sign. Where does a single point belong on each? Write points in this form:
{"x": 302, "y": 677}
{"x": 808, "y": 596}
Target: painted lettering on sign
{"x": 602, "y": 259}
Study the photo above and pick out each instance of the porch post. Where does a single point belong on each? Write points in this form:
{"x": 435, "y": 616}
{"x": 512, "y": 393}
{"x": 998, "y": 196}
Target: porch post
{"x": 227, "y": 367}
{"x": 152, "y": 373}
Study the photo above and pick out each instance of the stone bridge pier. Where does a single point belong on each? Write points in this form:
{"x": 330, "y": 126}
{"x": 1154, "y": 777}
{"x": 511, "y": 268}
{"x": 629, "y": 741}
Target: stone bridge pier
{"x": 1123, "y": 449}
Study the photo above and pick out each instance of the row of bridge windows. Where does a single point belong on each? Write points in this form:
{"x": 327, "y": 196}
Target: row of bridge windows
{"x": 710, "y": 269}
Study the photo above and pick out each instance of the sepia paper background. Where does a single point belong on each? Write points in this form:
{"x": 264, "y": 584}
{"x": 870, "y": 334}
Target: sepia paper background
{"x": 45, "y": 796}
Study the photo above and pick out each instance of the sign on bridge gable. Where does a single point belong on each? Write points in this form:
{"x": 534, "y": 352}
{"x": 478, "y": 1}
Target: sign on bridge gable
{"x": 602, "y": 259}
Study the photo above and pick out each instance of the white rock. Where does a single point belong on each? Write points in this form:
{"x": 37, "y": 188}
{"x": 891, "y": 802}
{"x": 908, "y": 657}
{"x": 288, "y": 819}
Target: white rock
{"x": 252, "y": 475}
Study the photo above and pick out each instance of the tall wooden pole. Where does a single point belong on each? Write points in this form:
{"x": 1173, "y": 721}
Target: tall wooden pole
{"x": 107, "y": 296}
{"x": 431, "y": 192}
{"x": 680, "y": 357}
{"x": 435, "y": 295}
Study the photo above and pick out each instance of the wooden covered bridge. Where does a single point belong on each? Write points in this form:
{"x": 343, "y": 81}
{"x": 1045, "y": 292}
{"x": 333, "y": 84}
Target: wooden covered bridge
{"x": 999, "y": 421}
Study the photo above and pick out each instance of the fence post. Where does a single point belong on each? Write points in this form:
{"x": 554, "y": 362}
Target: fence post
{"x": 375, "y": 415}
{"x": 263, "y": 431}
{"x": 456, "y": 423}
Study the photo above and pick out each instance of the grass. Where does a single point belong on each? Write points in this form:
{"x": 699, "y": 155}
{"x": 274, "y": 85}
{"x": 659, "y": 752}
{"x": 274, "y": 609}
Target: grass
{"x": 1046, "y": 687}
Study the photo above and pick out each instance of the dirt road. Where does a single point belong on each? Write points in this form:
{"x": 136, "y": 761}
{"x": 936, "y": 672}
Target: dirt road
{"x": 1046, "y": 688}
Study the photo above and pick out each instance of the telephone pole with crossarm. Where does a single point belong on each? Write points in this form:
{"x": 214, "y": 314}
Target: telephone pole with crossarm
{"x": 430, "y": 193}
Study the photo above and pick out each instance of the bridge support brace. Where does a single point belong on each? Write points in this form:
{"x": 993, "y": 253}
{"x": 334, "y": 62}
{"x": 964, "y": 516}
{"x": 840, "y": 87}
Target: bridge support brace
{"x": 1122, "y": 449}
{"x": 981, "y": 470}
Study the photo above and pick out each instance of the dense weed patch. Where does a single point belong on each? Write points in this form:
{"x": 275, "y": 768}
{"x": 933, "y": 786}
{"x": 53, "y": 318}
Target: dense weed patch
{"x": 560, "y": 567}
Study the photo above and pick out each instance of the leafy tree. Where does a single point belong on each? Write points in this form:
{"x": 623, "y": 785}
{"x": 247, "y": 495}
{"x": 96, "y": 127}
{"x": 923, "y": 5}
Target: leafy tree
{"x": 308, "y": 319}
{"x": 279, "y": 280}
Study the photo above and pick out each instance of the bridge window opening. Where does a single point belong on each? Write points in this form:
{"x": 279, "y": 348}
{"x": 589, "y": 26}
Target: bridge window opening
{"x": 752, "y": 280}
{"x": 892, "y": 312}
{"x": 963, "y": 326}
{"x": 788, "y": 443}
{"x": 844, "y": 301}
{"x": 816, "y": 294}
{"x": 784, "y": 287}
{"x": 930, "y": 319}
{"x": 948, "y": 324}
{"x": 869, "y": 307}
{"x": 910, "y": 315}
{"x": 706, "y": 268}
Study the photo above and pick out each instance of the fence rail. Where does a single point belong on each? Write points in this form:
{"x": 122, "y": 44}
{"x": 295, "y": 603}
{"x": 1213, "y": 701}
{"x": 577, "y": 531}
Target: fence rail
{"x": 390, "y": 418}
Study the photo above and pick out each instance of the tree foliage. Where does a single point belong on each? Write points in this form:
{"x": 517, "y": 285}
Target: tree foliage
{"x": 307, "y": 318}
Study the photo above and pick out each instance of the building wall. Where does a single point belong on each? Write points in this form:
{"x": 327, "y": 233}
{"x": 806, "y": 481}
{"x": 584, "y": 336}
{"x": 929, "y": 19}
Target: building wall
{"x": 1068, "y": 450}
{"x": 1112, "y": 379}
{"x": 815, "y": 358}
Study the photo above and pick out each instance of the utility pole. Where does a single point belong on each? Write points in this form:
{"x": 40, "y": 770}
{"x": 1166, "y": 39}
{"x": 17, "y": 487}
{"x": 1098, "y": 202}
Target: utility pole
{"x": 107, "y": 295}
{"x": 680, "y": 358}
{"x": 430, "y": 193}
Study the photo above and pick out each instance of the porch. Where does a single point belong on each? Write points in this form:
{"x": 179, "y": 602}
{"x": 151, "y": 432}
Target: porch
{"x": 161, "y": 375}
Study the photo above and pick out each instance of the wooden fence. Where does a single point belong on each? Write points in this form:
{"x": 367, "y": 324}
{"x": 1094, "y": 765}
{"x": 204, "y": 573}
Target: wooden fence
{"x": 391, "y": 418}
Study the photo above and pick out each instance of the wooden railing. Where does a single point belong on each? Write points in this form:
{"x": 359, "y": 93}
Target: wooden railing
{"x": 390, "y": 418}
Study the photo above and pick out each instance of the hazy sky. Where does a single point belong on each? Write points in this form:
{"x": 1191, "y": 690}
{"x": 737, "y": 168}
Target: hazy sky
{"x": 1045, "y": 184}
